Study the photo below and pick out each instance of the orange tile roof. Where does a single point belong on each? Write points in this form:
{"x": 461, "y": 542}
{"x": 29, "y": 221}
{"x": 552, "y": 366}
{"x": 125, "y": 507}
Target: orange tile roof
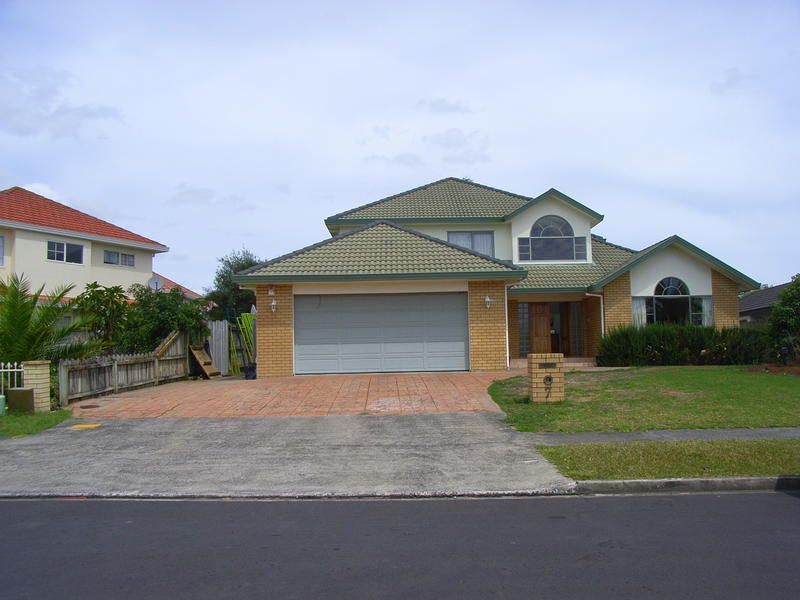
{"x": 169, "y": 284}
{"x": 25, "y": 207}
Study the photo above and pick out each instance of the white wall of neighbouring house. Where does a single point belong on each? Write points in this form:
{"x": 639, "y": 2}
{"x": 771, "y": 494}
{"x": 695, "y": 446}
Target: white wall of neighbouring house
{"x": 579, "y": 221}
{"x": 30, "y": 258}
{"x": 671, "y": 262}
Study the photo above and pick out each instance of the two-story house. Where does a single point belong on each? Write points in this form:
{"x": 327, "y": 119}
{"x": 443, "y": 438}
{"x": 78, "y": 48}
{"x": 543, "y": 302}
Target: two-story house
{"x": 455, "y": 275}
{"x": 53, "y": 244}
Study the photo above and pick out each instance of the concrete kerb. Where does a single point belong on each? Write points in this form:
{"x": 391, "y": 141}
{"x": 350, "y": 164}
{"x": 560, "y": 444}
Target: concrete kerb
{"x": 687, "y": 485}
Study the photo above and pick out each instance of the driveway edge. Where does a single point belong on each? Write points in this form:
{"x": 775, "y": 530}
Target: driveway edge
{"x": 686, "y": 484}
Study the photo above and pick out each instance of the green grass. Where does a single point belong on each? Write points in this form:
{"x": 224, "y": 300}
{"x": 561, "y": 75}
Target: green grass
{"x": 655, "y": 460}
{"x": 657, "y": 398}
{"x": 14, "y": 424}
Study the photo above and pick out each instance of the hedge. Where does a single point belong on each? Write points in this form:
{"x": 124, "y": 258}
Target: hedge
{"x": 683, "y": 345}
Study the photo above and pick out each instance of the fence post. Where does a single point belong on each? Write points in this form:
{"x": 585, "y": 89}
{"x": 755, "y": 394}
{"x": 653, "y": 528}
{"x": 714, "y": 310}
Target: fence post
{"x": 63, "y": 384}
{"x": 155, "y": 370}
{"x": 115, "y": 374}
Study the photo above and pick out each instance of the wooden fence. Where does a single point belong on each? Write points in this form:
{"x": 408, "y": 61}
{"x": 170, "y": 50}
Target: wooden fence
{"x": 99, "y": 375}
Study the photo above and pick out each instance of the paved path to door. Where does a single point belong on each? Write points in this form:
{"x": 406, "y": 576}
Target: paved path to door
{"x": 308, "y": 395}
{"x": 664, "y": 435}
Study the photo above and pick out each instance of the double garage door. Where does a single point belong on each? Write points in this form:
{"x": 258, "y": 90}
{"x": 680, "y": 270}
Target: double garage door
{"x": 380, "y": 333}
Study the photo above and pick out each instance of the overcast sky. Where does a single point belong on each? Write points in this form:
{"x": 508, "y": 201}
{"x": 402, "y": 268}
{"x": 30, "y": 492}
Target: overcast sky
{"x": 209, "y": 126}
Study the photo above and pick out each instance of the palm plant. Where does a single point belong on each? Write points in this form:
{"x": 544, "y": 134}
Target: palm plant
{"x": 37, "y": 327}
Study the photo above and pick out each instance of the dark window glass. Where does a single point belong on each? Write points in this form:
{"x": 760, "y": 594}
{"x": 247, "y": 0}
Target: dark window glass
{"x": 552, "y": 248}
{"x": 55, "y": 251}
{"x": 111, "y": 258}
{"x": 128, "y": 260}
{"x": 671, "y": 310}
{"x": 75, "y": 253}
{"x": 580, "y": 248}
{"x": 551, "y": 226}
{"x": 671, "y": 286}
{"x": 479, "y": 241}
{"x": 525, "y": 248}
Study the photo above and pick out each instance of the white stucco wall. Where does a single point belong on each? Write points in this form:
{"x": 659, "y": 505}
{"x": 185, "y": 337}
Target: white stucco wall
{"x": 30, "y": 258}
{"x": 671, "y": 262}
{"x": 522, "y": 223}
{"x": 379, "y": 287}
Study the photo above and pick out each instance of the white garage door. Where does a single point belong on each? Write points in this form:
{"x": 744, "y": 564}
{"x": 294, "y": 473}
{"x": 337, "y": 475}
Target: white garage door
{"x": 380, "y": 333}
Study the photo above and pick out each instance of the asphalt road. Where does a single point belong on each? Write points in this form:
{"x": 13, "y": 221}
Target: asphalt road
{"x": 698, "y": 546}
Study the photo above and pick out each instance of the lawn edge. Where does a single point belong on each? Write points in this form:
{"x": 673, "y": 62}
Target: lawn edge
{"x": 687, "y": 484}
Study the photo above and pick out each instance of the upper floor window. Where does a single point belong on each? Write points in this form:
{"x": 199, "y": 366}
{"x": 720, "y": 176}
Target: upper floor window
{"x": 552, "y": 238}
{"x": 65, "y": 252}
{"x": 2, "y": 250}
{"x": 111, "y": 257}
{"x": 479, "y": 241}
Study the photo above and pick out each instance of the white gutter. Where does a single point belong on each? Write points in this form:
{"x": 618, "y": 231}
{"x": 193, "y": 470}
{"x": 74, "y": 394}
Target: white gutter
{"x": 602, "y": 313}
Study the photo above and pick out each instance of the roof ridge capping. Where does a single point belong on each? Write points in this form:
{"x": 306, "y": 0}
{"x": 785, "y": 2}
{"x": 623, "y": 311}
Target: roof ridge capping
{"x": 243, "y": 276}
{"x": 743, "y": 280}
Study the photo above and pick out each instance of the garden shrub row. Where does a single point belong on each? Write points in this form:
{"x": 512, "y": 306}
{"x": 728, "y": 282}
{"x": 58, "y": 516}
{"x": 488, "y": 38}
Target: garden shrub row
{"x": 683, "y": 345}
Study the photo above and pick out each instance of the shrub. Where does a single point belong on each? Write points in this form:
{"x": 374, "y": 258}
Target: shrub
{"x": 663, "y": 344}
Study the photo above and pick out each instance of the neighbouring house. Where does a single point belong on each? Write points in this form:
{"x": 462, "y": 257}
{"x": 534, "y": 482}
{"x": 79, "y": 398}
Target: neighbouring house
{"x": 168, "y": 284}
{"x": 455, "y": 275}
{"x": 54, "y": 244}
{"x": 754, "y": 307}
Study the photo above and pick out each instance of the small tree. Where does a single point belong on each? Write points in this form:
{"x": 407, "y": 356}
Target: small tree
{"x": 230, "y": 299}
{"x": 784, "y": 319}
{"x": 153, "y": 315}
{"x": 105, "y": 309}
{"x": 38, "y": 327}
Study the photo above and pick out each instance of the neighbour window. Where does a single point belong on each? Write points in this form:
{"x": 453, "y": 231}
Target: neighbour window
{"x": 552, "y": 238}
{"x": 111, "y": 257}
{"x": 128, "y": 260}
{"x": 2, "y": 250}
{"x": 65, "y": 252}
{"x": 671, "y": 302}
{"x": 479, "y": 241}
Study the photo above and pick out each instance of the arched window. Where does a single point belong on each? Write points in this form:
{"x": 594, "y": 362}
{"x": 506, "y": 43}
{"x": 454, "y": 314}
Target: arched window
{"x": 672, "y": 302}
{"x": 551, "y": 226}
{"x": 671, "y": 286}
{"x": 552, "y": 238}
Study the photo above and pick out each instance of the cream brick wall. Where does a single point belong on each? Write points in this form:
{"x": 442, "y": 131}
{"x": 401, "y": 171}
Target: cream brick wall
{"x": 275, "y": 331}
{"x": 37, "y": 377}
{"x": 487, "y": 326}
{"x": 538, "y": 389}
{"x": 513, "y": 329}
{"x": 617, "y": 300}
{"x": 725, "y": 294}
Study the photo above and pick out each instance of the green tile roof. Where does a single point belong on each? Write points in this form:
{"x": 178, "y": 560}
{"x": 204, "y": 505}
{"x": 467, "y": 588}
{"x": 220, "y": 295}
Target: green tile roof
{"x": 606, "y": 259}
{"x": 449, "y": 198}
{"x": 378, "y": 251}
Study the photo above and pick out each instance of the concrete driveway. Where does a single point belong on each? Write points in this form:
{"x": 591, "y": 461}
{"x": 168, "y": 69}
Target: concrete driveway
{"x": 370, "y": 455}
{"x": 307, "y": 395}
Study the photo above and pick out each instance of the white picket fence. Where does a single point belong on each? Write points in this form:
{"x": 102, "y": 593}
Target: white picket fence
{"x": 12, "y": 375}
{"x": 104, "y": 374}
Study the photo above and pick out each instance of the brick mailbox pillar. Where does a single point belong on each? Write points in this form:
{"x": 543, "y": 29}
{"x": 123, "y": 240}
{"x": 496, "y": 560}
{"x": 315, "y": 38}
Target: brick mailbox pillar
{"x": 546, "y": 373}
{"x": 37, "y": 377}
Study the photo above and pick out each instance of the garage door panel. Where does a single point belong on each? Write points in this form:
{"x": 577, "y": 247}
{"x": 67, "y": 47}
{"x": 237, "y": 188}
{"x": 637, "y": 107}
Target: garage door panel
{"x": 374, "y": 333}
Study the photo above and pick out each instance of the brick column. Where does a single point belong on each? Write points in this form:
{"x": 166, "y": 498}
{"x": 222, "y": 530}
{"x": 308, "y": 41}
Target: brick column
{"x": 513, "y": 329}
{"x": 37, "y": 377}
{"x": 546, "y": 376}
{"x": 274, "y": 331}
{"x": 617, "y": 298}
{"x": 725, "y": 297}
{"x": 487, "y": 326}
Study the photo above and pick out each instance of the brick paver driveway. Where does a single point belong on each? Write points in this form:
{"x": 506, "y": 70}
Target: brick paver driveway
{"x": 309, "y": 395}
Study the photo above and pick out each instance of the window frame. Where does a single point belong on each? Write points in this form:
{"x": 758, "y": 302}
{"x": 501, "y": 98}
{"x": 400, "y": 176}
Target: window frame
{"x": 122, "y": 257}
{"x": 60, "y": 251}
{"x": 106, "y": 254}
{"x": 471, "y": 233}
{"x": 526, "y": 246}
{"x": 695, "y": 304}
{"x": 2, "y": 250}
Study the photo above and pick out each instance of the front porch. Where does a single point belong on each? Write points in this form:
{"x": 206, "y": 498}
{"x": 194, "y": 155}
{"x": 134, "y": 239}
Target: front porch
{"x": 566, "y": 323}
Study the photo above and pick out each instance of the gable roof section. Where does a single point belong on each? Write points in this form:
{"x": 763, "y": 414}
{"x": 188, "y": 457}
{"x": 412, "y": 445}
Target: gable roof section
{"x": 762, "y": 298}
{"x": 450, "y": 199}
{"x": 606, "y": 258}
{"x": 743, "y": 280}
{"x": 380, "y": 251}
{"x": 24, "y": 209}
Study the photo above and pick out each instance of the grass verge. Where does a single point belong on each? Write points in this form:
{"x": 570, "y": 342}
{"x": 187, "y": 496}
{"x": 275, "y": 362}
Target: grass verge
{"x": 657, "y": 398}
{"x": 14, "y": 423}
{"x": 655, "y": 460}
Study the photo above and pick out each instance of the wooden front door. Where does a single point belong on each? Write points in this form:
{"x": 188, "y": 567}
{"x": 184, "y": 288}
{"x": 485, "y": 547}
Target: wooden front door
{"x": 566, "y": 348}
{"x": 539, "y": 321}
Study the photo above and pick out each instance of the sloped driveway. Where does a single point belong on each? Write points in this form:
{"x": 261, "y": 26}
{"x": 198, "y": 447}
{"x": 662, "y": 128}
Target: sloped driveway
{"x": 308, "y": 395}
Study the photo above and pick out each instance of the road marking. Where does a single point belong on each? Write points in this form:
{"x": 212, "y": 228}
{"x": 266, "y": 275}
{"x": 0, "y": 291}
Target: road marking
{"x": 86, "y": 426}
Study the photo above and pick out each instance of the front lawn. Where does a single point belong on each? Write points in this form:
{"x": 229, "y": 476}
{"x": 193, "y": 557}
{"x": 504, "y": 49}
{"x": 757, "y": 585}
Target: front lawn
{"x": 14, "y": 423}
{"x": 657, "y": 398}
{"x": 656, "y": 460}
